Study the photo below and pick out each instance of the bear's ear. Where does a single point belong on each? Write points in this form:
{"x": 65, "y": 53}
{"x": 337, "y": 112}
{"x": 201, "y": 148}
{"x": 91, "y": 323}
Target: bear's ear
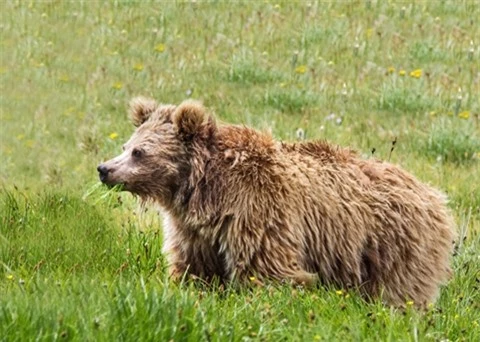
{"x": 188, "y": 118}
{"x": 140, "y": 109}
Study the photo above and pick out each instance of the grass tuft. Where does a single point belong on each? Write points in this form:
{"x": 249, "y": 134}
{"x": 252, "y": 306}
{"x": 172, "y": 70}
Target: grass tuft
{"x": 452, "y": 143}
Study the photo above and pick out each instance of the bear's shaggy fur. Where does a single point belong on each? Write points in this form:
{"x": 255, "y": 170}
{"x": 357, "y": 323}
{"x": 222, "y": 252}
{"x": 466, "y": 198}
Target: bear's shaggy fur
{"x": 238, "y": 204}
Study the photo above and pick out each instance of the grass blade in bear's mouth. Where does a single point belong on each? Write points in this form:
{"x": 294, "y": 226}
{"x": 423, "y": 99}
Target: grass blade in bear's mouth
{"x": 116, "y": 187}
{"x": 101, "y": 192}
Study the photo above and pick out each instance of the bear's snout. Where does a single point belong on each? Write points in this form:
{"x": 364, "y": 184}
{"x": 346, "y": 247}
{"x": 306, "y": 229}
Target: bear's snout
{"x": 103, "y": 172}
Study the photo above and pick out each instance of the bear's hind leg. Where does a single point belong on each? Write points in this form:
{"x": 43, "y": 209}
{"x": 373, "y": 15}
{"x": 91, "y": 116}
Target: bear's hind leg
{"x": 304, "y": 278}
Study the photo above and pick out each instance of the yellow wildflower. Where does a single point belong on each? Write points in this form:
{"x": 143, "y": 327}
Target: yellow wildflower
{"x": 117, "y": 85}
{"x": 417, "y": 73}
{"x": 113, "y": 135}
{"x": 301, "y": 69}
{"x": 37, "y": 64}
{"x": 339, "y": 292}
{"x": 402, "y": 72}
{"x": 138, "y": 67}
{"x": 252, "y": 278}
{"x": 391, "y": 70}
{"x": 369, "y": 32}
{"x": 317, "y": 338}
{"x": 160, "y": 48}
{"x": 433, "y": 113}
{"x": 10, "y": 277}
{"x": 464, "y": 115}
{"x": 410, "y": 303}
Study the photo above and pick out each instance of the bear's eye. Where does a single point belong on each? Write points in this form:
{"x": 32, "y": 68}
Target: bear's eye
{"x": 137, "y": 153}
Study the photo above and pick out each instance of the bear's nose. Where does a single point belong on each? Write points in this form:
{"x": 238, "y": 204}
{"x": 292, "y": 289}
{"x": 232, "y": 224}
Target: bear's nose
{"x": 102, "y": 172}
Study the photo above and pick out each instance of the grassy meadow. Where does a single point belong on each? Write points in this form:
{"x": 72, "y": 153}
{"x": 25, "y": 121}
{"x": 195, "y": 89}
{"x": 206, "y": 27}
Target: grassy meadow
{"x": 79, "y": 262}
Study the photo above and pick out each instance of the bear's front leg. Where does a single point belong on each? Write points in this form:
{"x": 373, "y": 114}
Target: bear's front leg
{"x": 176, "y": 259}
{"x": 177, "y": 271}
{"x": 175, "y": 249}
{"x": 177, "y": 265}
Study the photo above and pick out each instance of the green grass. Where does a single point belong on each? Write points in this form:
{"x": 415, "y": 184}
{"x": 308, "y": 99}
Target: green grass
{"x": 80, "y": 262}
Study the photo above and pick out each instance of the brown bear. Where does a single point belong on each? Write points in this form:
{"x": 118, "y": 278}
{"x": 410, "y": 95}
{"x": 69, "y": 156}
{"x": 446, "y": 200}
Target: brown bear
{"x": 238, "y": 204}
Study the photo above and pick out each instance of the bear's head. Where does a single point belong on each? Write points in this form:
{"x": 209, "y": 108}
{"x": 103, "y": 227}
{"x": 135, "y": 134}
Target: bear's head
{"x": 156, "y": 160}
